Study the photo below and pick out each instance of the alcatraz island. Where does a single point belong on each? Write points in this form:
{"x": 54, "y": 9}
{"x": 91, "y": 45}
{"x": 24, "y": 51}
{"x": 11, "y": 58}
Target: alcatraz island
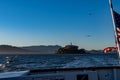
{"x": 70, "y": 49}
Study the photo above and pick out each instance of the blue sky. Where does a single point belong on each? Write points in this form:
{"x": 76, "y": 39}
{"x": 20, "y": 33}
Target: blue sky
{"x": 57, "y": 22}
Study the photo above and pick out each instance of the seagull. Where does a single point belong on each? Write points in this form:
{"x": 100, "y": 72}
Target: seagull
{"x": 89, "y": 14}
{"x": 88, "y": 35}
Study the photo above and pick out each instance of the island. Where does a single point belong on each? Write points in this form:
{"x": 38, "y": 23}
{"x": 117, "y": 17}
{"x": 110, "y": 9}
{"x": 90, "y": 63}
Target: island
{"x": 70, "y": 49}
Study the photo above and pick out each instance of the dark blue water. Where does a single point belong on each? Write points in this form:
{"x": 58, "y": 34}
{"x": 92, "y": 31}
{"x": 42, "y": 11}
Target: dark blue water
{"x": 18, "y": 62}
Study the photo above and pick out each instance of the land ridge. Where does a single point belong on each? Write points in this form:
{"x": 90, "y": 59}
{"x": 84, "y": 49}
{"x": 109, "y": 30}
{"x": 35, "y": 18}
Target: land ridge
{"x": 40, "y": 48}
{"x": 37, "y": 48}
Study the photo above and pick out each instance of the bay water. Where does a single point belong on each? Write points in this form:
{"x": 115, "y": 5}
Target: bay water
{"x": 20, "y": 62}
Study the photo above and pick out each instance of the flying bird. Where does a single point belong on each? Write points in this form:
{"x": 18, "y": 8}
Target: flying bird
{"x": 88, "y": 35}
{"x": 89, "y": 14}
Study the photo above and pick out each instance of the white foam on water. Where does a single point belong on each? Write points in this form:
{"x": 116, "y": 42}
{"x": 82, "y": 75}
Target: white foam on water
{"x": 79, "y": 62}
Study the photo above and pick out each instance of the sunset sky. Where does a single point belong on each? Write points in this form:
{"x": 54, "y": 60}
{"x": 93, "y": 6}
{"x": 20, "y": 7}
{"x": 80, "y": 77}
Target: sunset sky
{"x": 86, "y": 23}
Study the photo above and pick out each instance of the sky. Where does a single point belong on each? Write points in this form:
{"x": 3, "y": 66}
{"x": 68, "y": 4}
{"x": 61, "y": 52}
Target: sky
{"x": 86, "y": 23}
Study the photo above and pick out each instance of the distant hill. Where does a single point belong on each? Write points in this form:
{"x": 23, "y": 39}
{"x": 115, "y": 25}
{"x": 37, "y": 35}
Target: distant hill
{"x": 9, "y": 48}
{"x": 42, "y": 48}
